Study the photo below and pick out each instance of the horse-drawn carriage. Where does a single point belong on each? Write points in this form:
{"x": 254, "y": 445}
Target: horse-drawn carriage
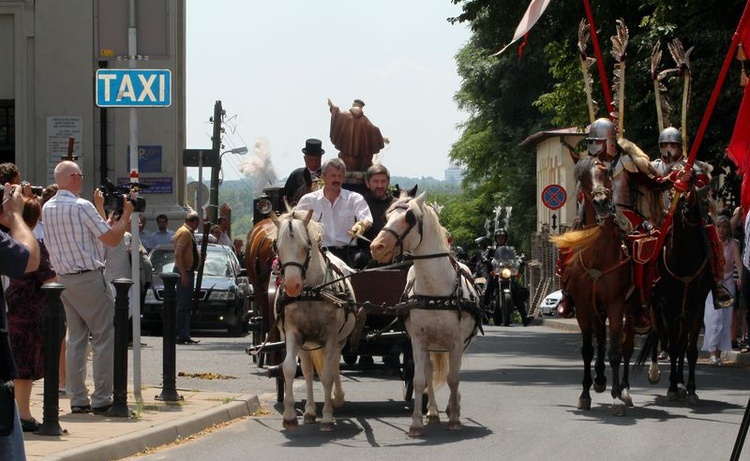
{"x": 419, "y": 321}
{"x": 377, "y": 291}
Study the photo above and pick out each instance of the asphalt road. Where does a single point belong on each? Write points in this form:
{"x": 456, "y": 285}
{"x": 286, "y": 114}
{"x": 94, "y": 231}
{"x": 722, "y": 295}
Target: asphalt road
{"x": 519, "y": 390}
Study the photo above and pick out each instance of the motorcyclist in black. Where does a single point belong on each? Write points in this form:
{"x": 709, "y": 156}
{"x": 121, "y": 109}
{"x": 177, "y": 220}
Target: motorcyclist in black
{"x": 518, "y": 292}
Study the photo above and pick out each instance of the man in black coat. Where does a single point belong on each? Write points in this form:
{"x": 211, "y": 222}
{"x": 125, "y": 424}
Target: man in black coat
{"x": 300, "y": 180}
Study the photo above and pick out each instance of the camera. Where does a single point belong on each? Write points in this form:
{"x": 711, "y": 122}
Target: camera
{"x": 36, "y": 190}
{"x": 113, "y": 196}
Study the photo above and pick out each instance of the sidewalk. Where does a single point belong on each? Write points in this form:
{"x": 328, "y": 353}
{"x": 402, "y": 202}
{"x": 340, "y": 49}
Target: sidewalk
{"x": 153, "y": 423}
{"x": 728, "y": 357}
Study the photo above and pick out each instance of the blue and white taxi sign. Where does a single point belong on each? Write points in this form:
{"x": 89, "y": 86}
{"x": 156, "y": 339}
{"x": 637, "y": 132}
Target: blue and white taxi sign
{"x": 133, "y": 87}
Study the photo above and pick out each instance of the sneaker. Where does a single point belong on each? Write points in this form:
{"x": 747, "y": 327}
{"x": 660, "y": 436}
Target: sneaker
{"x": 78, "y": 409}
{"x": 188, "y": 341}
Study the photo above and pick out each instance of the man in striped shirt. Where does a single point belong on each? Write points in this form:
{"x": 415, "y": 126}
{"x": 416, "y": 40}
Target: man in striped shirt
{"x": 74, "y": 232}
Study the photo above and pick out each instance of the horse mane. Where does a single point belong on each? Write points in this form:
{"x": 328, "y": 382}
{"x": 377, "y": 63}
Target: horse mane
{"x": 313, "y": 229}
{"x": 430, "y": 219}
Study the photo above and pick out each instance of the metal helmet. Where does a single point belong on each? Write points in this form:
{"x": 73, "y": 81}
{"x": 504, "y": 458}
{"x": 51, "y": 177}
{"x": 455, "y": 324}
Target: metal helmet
{"x": 602, "y": 130}
{"x": 670, "y": 135}
{"x": 501, "y": 231}
{"x": 483, "y": 242}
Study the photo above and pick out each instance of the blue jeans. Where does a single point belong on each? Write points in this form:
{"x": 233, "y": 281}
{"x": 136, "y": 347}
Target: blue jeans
{"x": 184, "y": 301}
{"x": 11, "y": 446}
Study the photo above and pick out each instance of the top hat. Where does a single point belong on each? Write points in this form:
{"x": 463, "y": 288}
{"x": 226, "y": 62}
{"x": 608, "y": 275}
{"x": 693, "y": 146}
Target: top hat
{"x": 313, "y": 147}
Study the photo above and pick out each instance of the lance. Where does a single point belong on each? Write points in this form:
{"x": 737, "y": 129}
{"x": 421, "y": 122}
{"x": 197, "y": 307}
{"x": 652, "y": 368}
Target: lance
{"x": 655, "y": 60}
{"x": 599, "y": 59}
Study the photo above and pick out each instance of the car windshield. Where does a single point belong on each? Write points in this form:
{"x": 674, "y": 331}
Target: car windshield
{"x": 217, "y": 263}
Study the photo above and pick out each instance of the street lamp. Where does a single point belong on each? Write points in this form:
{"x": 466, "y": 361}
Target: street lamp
{"x": 213, "y": 195}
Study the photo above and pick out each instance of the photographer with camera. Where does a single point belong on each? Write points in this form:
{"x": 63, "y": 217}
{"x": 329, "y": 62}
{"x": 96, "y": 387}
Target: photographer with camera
{"x": 73, "y": 230}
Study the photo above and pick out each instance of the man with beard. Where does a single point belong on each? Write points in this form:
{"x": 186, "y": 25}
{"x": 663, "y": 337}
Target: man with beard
{"x": 379, "y": 198}
{"x": 344, "y": 214}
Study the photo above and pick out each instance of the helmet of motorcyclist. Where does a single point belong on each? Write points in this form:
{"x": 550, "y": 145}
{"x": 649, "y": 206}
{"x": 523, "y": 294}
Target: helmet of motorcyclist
{"x": 670, "y": 144}
{"x": 602, "y": 139}
{"x": 501, "y": 236}
{"x": 483, "y": 242}
{"x": 460, "y": 252}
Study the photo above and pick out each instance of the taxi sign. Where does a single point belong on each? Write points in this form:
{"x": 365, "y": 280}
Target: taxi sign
{"x": 133, "y": 87}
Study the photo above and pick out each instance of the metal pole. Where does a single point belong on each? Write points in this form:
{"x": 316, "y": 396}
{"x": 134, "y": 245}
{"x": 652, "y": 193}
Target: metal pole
{"x": 119, "y": 407}
{"x": 199, "y": 198}
{"x": 136, "y": 238}
{"x": 53, "y": 334}
{"x": 169, "y": 369}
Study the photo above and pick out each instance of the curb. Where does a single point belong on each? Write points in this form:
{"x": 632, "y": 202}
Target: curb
{"x": 159, "y": 435}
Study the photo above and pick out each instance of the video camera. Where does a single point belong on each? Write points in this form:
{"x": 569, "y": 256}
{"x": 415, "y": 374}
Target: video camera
{"x": 113, "y": 196}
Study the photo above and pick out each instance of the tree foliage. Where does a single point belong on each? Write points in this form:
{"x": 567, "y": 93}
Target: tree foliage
{"x": 510, "y": 97}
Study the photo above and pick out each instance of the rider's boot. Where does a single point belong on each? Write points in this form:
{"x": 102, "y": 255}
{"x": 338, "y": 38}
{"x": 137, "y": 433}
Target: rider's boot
{"x": 722, "y": 297}
{"x": 641, "y": 313}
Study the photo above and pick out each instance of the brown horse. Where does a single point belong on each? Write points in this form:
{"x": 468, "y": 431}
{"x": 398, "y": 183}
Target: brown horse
{"x": 259, "y": 256}
{"x": 599, "y": 280}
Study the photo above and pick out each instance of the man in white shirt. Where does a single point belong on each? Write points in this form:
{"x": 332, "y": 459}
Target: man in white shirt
{"x": 344, "y": 214}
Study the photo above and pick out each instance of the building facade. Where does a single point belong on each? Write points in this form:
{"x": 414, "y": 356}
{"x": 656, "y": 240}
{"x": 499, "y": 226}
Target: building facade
{"x": 51, "y": 52}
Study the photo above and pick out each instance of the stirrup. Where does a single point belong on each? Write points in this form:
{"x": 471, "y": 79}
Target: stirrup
{"x": 722, "y": 297}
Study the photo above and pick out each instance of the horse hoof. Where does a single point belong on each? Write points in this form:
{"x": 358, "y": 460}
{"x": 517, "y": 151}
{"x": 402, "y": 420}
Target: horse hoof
{"x": 692, "y": 400}
{"x": 584, "y": 404}
{"x": 433, "y": 419}
{"x": 654, "y": 379}
{"x": 326, "y": 427}
{"x": 618, "y": 409}
{"x": 600, "y": 387}
{"x": 290, "y": 424}
{"x": 338, "y": 403}
{"x": 308, "y": 419}
{"x": 454, "y": 426}
{"x": 416, "y": 432}
{"x": 681, "y": 393}
{"x": 626, "y": 398}
{"x": 673, "y": 396}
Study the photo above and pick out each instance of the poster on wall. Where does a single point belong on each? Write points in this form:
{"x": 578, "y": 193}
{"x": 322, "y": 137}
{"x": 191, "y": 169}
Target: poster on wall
{"x": 64, "y": 137}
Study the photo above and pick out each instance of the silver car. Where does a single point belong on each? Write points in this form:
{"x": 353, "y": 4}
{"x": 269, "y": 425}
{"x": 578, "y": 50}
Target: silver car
{"x": 549, "y": 304}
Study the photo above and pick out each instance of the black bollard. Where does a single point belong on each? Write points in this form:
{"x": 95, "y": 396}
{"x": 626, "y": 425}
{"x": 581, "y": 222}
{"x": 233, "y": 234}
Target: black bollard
{"x": 53, "y": 335}
{"x": 119, "y": 407}
{"x": 169, "y": 369}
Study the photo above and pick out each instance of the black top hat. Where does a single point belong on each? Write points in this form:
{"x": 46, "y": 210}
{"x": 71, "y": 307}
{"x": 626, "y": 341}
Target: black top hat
{"x": 313, "y": 147}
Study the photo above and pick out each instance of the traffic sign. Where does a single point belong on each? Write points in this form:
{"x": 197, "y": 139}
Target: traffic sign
{"x": 133, "y": 87}
{"x": 554, "y": 196}
{"x": 192, "y": 157}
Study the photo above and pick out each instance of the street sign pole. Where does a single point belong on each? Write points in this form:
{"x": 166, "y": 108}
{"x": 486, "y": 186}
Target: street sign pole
{"x": 135, "y": 243}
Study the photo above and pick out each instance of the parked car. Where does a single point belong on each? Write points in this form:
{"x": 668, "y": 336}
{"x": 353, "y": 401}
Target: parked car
{"x": 226, "y": 295}
{"x": 549, "y": 304}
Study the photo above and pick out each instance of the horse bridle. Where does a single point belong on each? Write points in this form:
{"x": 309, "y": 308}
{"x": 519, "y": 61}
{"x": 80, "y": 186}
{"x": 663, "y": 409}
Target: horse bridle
{"x": 302, "y": 267}
{"x": 411, "y": 220}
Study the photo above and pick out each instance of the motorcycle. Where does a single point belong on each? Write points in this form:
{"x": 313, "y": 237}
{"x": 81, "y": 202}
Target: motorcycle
{"x": 506, "y": 265}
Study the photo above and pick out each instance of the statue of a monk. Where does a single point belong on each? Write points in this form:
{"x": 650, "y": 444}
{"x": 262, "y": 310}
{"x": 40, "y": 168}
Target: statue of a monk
{"x": 354, "y": 136}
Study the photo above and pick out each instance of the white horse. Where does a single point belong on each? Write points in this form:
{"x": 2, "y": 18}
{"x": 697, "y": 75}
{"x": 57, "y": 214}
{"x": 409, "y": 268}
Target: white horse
{"x": 315, "y": 316}
{"x": 443, "y": 305}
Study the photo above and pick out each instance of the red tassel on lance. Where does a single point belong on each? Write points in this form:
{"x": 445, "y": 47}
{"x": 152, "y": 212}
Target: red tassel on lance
{"x": 523, "y": 44}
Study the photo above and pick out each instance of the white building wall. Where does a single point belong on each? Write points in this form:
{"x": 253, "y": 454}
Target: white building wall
{"x": 555, "y": 166}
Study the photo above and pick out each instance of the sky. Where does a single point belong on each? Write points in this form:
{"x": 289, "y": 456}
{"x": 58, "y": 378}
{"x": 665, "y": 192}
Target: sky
{"x": 273, "y": 64}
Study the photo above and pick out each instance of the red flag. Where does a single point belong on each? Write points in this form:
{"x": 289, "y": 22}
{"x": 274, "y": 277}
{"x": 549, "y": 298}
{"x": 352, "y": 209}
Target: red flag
{"x": 533, "y": 13}
{"x": 739, "y": 146}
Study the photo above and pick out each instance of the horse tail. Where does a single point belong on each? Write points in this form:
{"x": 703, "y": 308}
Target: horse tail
{"x": 579, "y": 240}
{"x": 439, "y": 369}
{"x": 318, "y": 359}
